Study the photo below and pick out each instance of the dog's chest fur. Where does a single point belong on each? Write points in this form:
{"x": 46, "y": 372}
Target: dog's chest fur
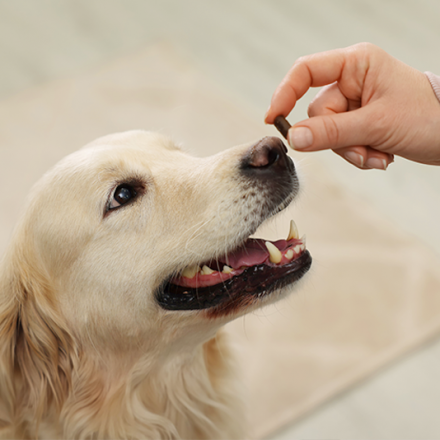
{"x": 193, "y": 398}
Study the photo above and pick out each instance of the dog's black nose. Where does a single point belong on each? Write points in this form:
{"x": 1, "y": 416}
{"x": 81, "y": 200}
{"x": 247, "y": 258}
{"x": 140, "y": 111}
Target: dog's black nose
{"x": 269, "y": 175}
{"x": 267, "y": 156}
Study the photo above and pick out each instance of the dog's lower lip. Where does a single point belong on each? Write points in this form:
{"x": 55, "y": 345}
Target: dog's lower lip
{"x": 255, "y": 282}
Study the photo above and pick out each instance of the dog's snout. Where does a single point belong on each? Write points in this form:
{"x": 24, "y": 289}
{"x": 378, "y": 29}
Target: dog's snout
{"x": 268, "y": 154}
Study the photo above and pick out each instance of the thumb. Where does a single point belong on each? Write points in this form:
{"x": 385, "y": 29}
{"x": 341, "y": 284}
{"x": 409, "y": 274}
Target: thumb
{"x": 332, "y": 131}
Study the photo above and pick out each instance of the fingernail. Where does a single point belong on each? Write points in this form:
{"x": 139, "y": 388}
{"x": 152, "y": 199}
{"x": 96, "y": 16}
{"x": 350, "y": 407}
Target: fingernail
{"x": 376, "y": 163}
{"x": 355, "y": 158}
{"x": 300, "y": 138}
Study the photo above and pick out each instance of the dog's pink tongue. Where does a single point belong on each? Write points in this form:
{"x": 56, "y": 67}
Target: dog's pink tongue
{"x": 252, "y": 253}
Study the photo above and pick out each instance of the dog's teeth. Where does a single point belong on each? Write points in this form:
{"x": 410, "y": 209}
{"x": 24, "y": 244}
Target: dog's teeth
{"x": 274, "y": 253}
{"x": 297, "y": 249}
{"x": 206, "y": 270}
{"x": 303, "y": 240}
{"x": 289, "y": 254}
{"x": 191, "y": 271}
{"x": 227, "y": 269}
{"x": 293, "y": 232}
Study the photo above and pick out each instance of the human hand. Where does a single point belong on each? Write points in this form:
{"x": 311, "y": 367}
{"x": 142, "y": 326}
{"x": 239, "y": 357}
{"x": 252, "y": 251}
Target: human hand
{"x": 372, "y": 107}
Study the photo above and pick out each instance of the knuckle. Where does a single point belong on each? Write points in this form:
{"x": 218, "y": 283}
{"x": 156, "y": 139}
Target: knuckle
{"x": 332, "y": 131}
{"x": 368, "y": 50}
{"x": 366, "y": 47}
{"x": 301, "y": 60}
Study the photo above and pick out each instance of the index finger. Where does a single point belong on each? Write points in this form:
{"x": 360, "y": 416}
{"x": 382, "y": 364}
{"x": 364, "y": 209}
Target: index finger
{"x": 310, "y": 71}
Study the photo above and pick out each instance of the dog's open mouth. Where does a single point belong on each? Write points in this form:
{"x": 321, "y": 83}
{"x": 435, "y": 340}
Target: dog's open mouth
{"x": 253, "y": 270}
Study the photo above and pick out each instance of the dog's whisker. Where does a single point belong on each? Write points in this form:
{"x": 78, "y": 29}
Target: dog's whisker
{"x": 196, "y": 234}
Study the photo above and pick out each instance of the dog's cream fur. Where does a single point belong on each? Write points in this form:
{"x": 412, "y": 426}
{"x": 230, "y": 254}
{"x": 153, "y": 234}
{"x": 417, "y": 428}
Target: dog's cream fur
{"x": 85, "y": 350}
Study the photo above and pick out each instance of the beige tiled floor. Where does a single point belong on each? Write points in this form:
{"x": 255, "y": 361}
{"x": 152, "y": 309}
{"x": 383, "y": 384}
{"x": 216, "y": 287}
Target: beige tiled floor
{"x": 247, "y": 46}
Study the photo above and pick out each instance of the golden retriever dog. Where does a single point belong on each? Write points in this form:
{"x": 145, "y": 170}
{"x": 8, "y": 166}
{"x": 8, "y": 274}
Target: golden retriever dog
{"x": 128, "y": 259}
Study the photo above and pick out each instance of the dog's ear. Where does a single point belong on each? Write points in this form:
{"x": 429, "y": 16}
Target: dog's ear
{"x": 8, "y": 325}
{"x": 36, "y": 349}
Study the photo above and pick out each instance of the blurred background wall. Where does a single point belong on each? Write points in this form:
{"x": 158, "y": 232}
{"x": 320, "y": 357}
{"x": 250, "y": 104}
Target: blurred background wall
{"x": 246, "y": 46}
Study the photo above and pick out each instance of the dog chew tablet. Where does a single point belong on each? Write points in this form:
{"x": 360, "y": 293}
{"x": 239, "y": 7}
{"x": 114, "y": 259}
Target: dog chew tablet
{"x": 282, "y": 125}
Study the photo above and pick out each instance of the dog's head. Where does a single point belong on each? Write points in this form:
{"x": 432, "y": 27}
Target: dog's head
{"x": 132, "y": 247}
{"x": 131, "y": 233}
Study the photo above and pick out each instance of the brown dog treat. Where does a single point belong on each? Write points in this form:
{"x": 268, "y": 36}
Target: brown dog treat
{"x": 282, "y": 125}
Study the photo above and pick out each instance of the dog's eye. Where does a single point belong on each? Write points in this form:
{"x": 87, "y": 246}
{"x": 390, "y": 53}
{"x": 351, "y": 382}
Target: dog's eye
{"x": 122, "y": 195}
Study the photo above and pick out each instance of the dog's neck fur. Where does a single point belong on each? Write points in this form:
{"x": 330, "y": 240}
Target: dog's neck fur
{"x": 184, "y": 398}
{"x": 181, "y": 399}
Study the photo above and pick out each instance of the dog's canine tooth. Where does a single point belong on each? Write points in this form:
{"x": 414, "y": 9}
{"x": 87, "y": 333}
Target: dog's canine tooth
{"x": 227, "y": 269}
{"x": 293, "y": 231}
{"x": 191, "y": 271}
{"x": 206, "y": 270}
{"x": 275, "y": 255}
